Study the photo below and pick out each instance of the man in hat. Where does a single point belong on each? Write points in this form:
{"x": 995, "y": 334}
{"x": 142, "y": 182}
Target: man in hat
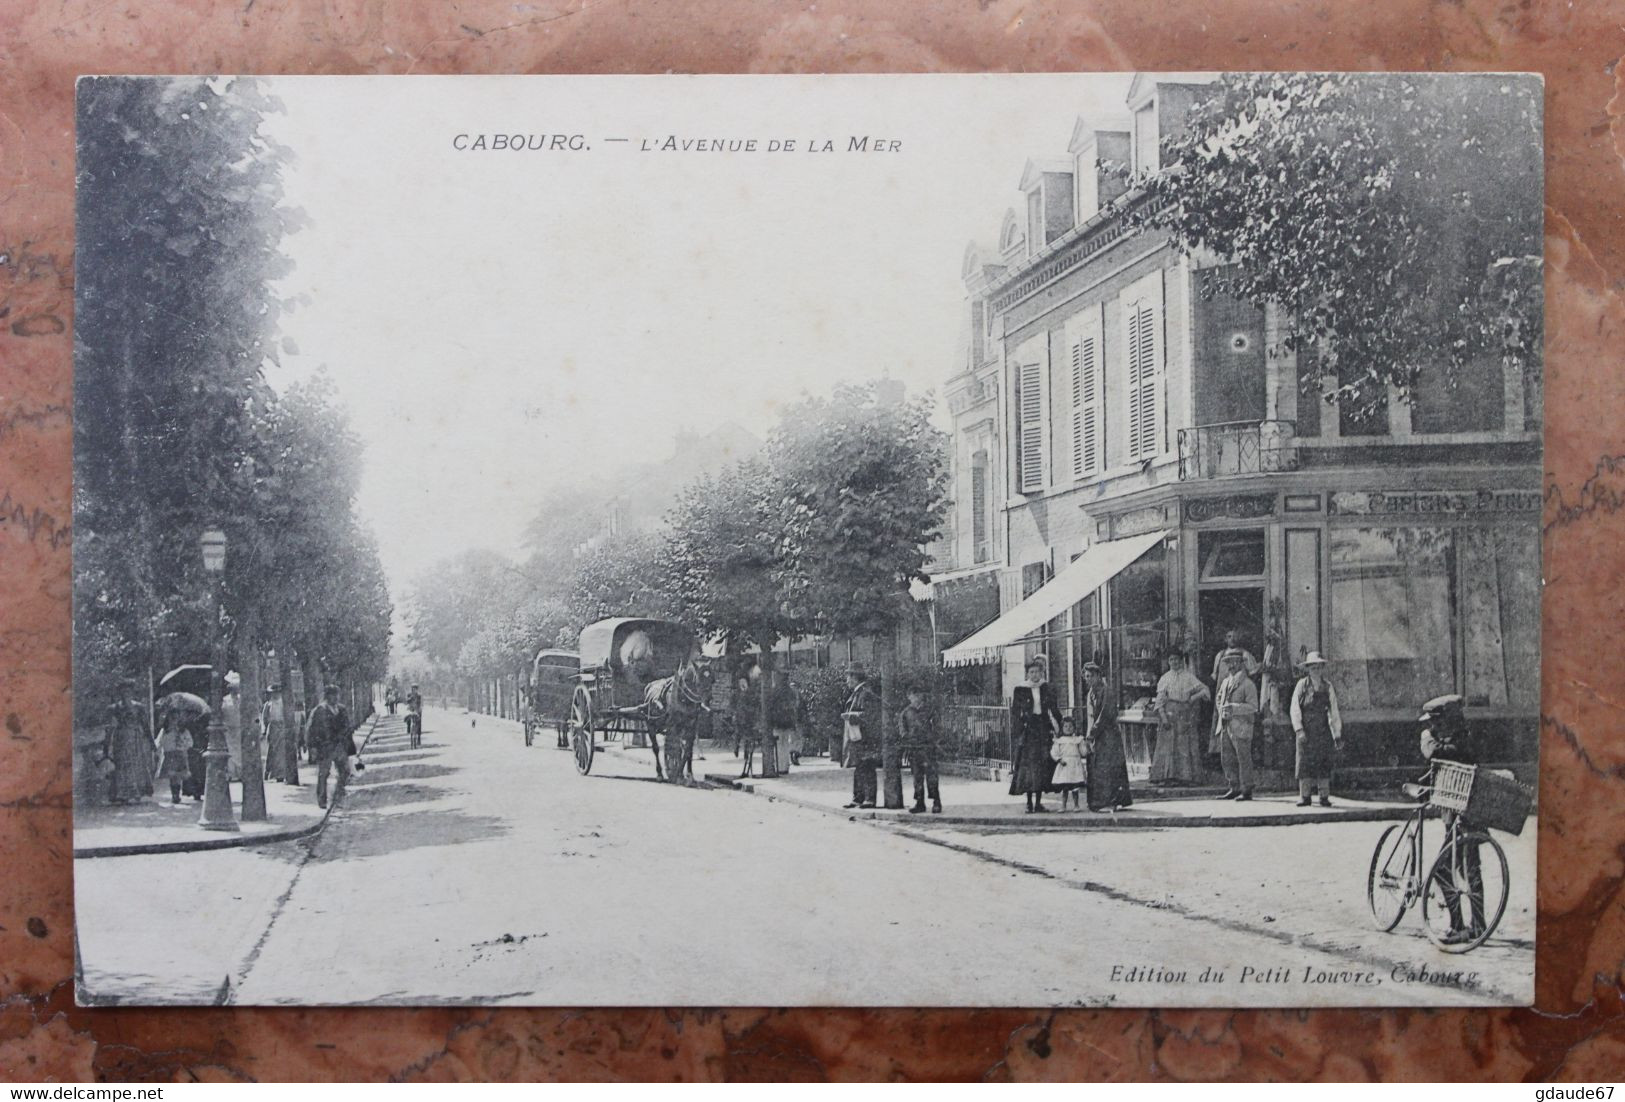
{"x": 1232, "y": 642}
{"x": 328, "y": 735}
{"x": 1234, "y": 709}
{"x": 1319, "y": 728}
{"x": 862, "y": 716}
{"x": 414, "y": 716}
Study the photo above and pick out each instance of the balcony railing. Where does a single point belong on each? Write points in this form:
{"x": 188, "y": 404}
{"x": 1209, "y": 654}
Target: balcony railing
{"x": 1237, "y": 448}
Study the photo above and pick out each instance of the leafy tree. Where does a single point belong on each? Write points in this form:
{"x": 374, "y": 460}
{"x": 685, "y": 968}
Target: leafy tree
{"x": 863, "y": 488}
{"x": 1396, "y": 218}
{"x": 457, "y": 597}
{"x": 720, "y": 561}
{"x": 179, "y": 225}
{"x": 620, "y": 577}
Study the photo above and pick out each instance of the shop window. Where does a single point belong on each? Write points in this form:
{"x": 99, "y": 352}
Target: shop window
{"x": 1139, "y": 593}
{"x": 1500, "y": 613}
{"x": 1230, "y": 556}
{"x": 1392, "y": 642}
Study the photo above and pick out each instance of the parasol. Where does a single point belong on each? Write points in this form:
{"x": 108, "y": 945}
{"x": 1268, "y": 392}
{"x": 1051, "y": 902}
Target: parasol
{"x": 183, "y": 702}
{"x": 186, "y": 679}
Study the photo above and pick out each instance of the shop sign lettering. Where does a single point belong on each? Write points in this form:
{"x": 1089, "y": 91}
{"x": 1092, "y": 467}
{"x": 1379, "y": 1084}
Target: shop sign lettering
{"x": 1235, "y": 507}
{"x": 1434, "y": 502}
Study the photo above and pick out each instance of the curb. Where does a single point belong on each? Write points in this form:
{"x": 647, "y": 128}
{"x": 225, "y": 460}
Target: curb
{"x": 227, "y": 841}
{"x": 1094, "y": 822}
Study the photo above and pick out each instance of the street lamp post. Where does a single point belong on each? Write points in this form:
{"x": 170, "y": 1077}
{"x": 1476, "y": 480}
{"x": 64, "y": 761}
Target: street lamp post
{"x": 217, "y": 812}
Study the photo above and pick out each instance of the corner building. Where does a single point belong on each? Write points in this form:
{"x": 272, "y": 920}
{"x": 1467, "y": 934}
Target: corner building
{"x": 1110, "y": 405}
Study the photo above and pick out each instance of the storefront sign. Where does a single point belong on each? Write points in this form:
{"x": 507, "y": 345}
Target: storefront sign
{"x": 1137, "y": 522}
{"x": 1434, "y": 502}
{"x": 1235, "y": 507}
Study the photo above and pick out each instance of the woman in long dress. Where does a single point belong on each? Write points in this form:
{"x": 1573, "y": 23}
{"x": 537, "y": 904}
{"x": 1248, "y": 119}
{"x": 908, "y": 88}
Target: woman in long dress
{"x": 1179, "y": 697}
{"x": 130, "y": 748}
{"x": 1108, "y": 765}
{"x": 1035, "y": 719}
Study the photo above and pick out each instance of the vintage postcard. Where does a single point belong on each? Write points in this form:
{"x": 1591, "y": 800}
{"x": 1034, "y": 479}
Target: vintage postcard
{"x": 998, "y": 540}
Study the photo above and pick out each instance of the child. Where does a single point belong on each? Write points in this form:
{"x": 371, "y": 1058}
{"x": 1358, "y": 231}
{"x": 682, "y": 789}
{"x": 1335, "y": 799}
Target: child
{"x": 1070, "y": 776}
{"x": 173, "y": 743}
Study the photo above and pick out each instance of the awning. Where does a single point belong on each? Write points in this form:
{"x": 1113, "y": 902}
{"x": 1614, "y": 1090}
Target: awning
{"x": 1091, "y": 570}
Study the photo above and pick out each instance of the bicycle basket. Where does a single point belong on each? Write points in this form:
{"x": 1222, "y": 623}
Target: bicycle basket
{"x": 1452, "y": 785}
{"x": 1482, "y": 798}
{"x": 1498, "y": 802}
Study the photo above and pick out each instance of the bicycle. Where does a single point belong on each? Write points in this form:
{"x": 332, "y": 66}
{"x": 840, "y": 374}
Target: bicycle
{"x": 1460, "y": 881}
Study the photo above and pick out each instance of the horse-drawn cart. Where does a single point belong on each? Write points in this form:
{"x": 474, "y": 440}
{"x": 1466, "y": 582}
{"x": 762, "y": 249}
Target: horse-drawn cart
{"x": 637, "y": 677}
{"x": 550, "y": 682}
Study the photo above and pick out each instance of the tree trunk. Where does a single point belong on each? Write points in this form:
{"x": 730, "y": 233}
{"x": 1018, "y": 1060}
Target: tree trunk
{"x": 292, "y": 718}
{"x": 249, "y": 657}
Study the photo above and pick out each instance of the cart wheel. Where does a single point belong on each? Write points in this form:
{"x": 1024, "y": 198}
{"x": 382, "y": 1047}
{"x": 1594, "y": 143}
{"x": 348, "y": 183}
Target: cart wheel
{"x": 581, "y": 736}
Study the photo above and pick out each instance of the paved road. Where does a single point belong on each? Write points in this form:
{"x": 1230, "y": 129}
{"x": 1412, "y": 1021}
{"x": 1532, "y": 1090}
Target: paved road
{"x": 477, "y": 870}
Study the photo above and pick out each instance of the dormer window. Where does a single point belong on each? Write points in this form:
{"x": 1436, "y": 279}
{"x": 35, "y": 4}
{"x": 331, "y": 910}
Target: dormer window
{"x": 1145, "y": 140}
{"x": 1086, "y": 180}
{"x": 1047, "y": 184}
{"x": 1010, "y": 238}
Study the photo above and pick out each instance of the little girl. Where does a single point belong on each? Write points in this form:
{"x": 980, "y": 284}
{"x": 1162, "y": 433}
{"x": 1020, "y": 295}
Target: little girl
{"x": 1070, "y": 775}
{"x": 173, "y": 743}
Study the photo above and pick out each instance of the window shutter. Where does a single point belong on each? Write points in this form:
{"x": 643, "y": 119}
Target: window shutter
{"x": 1150, "y": 400}
{"x": 1145, "y": 381}
{"x": 1030, "y": 399}
{"x": 1086, "y": 387}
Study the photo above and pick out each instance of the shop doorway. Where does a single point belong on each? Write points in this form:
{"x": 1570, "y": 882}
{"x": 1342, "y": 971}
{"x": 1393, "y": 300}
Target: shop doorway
{"x": 1238, "y": 608}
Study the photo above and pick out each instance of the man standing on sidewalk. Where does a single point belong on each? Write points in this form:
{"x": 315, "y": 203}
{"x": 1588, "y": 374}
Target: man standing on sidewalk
{"x": 1234, "y": 709}
{"x": 414, "y": 717}
{"x": 328, "y": 735}
{"x": 862, "y": 717}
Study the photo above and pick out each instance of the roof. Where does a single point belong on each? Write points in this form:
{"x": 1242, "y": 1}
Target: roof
{"x": 1087, "y": 126}
{"x": 599, "y": 640}
{"x": 1036, "y": 166}
{"x": 1143, "y": 84}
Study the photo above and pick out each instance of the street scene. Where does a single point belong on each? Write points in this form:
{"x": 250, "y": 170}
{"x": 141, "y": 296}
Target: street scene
{"x": 392, "y": 901}
{"x": 1136, "y": 603}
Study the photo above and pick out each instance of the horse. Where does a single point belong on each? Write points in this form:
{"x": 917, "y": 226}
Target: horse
{"x": 676, "y": 702}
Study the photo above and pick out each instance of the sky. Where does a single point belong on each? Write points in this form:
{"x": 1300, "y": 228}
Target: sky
{"x": 500, "y": 322}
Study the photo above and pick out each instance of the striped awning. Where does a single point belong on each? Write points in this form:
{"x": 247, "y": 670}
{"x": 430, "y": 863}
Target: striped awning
{"x": 1091, "y": 570}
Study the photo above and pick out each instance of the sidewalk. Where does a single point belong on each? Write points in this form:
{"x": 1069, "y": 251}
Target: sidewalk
{"x": 823, "y": 786}
{"x": 158, "y": 826}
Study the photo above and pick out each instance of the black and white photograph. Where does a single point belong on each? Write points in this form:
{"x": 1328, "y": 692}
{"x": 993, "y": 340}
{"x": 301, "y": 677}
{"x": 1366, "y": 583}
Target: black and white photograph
{"x": 1000, "y": 540}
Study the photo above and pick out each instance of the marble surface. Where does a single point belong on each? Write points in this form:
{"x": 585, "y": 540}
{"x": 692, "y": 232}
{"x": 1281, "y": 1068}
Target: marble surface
{"x": 1577, "y": 1030}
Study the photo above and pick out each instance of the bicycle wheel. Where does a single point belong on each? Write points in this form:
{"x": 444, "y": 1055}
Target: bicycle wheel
{"x": 1391, "y": 884}
{"x": 1461, "y": 904}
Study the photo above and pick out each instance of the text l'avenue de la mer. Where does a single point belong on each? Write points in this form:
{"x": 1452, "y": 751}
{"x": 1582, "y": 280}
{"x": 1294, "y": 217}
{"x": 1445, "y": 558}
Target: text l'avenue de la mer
{"x": 504, "y": 142}
{"x": 1307, "y": 975}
